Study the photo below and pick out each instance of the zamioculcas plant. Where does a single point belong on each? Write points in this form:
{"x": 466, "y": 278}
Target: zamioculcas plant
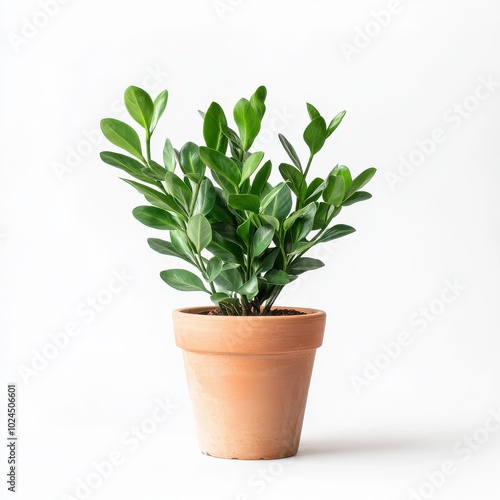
{"x": 245, "y": 238}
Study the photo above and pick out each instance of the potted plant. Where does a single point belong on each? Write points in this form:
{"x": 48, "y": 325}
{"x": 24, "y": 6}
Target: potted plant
{"x": 248, "y": 363}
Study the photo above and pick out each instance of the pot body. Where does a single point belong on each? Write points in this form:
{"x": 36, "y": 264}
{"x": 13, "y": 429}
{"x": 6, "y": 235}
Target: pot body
{"x": 248, "y": 378}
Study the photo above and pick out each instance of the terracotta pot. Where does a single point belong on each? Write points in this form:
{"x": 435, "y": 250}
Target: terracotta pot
{"x": 248, "y": 378}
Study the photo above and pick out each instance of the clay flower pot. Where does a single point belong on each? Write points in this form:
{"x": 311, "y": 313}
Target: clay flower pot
{"x": 248, "y": 378}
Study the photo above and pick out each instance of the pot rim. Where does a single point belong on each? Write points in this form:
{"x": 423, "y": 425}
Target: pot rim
{"x": 248, "y": 334}
{"x": 196, "y": 310}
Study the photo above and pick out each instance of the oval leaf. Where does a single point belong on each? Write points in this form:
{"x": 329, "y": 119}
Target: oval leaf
{"x": 166, "y": 248}
{"x": 361, "y": 180}
{"x": 262, "y": 239}
{"x": 248, "y": 122}
{"x": 248, "y": 202}
{"x": 139, "y": 105}
{"x": 335, "y": 232}
{"x": 159, "y": 106}
{"x": 213, "y": 121}
{"x": 122, "y": 135}
{"x": 183, "y": 280}
{"x": 155, "y": 217}
{"x": 127, "y": 164}
{"x": 199, "y": 231}
{"x": 250, "y": 165}
{"x": 315, "y": 134}
{"x": 221, "y": 164}
{"x": 290, "y": 151}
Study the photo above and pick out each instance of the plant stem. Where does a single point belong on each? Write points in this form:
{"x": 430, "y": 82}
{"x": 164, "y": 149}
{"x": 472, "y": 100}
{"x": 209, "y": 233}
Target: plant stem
{"x": 306, "y": 171}
{"x": 148, "y": 145}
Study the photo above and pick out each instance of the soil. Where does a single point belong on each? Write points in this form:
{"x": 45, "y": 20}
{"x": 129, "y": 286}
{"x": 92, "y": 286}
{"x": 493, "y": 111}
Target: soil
{"x": 273, "y": 312}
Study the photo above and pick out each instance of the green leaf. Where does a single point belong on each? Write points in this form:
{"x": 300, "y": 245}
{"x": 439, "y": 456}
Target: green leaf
{"x": 301, "y": 247}
{"x": 199, "y": 231}
{"x": 221, "y": 164}
{"x": 244, "y": 229}
{"x": 166, "y": 248}
{"x": 212, "y": 128}
{"x": 314, "y": 190}
{"x": 229, "y": 280}
{"x": 277, "y": 277}
{"x": 290, "y": 151}
{"x": 278, "y": 202}
{"x": 157, "y": 198}
{"x": 269, "y": 219}
{"x": 358, "y": 196}
{"x": 312, "y": 111}
{"x": 360, "y": 181}
{"x": 226, "y": 250}
{"x": 307, "y": 211}
{"x": 156, "y": 218}
{"x": 181, "y": 243}
{"x": 295, "y": 180}
{"x": 206, "y": 198}
{"x": 190, "y": 160}
{"x": 127, "y": 164}
{"x": 262, "y": 239}
{"x": 157, "y": 170}
{"x": 269, "y": 197}
{"x": 257, "y": 101}
{"x": 266, "y": 261}
{"x": 345, "y": 173}
{"x": 169, "y": 157}
{"x": 335, "y": 232}
{"x": 183, "y": 280}
{"x": 122, "y": 135}
{"x": 250, "y": 288}
{"x": 250, "y": 165}
{"x": 178, "y": 189}
{"x": 248, "y": 122}
{"x": 214, "y": 268}
{"x": 159, "y": 106}
{"x": 304, "y": 264}
{"x": 334, "y": 123}
{"x": 334, "y": 191}
{"x": 219, "y": 297}
{"x": 219, "y": 212}
{"x": 315, "y": 134}
{"x": 139, "y": 105}
{"x": 261, "y": 178}
{"x": 228, "y": 232}
{"x": 322, "y": 216}
{"x": 248, "y": 202}
{"x": 304, "y": 224}
{"x": 232, "y": 136}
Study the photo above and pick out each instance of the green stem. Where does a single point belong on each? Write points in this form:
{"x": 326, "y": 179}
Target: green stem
{"x": 306, "y": 171}
{"x": 148, "y": 145}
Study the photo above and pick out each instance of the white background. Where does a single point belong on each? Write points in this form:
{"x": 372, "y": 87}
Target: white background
{"x": 63, "y": 235}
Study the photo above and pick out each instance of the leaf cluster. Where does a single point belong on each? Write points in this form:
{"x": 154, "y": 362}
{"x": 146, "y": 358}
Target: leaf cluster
{"x": 245, "y": 238}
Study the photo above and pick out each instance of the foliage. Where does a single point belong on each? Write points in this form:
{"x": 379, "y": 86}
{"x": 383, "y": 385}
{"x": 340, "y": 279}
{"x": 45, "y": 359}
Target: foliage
{"x": 245, "y": 237}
